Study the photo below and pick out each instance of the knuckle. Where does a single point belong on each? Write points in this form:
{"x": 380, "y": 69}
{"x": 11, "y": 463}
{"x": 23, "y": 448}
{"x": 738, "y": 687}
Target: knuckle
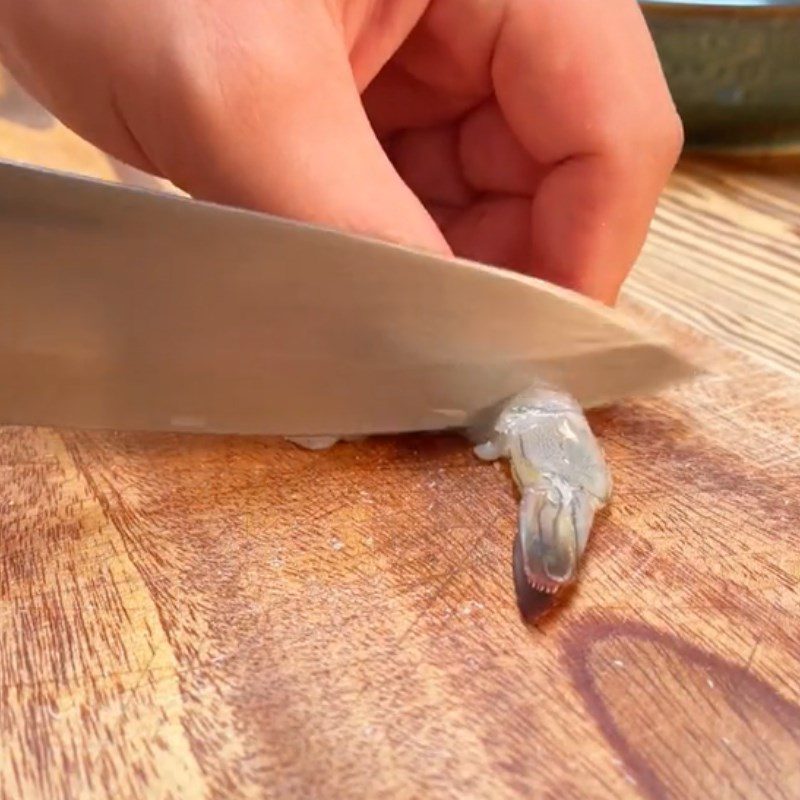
{"x": 668, "y": 136}
{"x": 653, "y": 135}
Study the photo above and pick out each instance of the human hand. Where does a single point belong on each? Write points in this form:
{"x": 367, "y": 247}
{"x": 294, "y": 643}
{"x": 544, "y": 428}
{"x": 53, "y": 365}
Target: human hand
{"x": 531, "y": 135}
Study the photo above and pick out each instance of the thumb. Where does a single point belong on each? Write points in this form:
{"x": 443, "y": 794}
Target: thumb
{"x": 273, "y": 123}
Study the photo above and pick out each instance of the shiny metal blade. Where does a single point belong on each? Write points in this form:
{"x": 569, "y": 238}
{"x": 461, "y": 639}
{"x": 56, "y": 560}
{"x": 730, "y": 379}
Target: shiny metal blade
{"x": 127, "y": 309}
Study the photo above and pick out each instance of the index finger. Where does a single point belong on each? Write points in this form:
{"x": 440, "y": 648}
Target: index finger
{"x": 581, "y": 87}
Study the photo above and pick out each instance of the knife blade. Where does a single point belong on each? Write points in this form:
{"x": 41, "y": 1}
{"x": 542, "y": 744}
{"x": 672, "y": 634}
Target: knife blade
{"x": 123, "y": 308}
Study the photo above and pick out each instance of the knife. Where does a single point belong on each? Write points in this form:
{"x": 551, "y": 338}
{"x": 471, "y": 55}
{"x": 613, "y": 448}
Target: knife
{"x": 128, "y": 309}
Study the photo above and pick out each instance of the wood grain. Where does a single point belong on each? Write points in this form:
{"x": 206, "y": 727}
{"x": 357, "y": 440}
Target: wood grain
{"x": 204, "y": 617}
{"x": 723, "y": 257}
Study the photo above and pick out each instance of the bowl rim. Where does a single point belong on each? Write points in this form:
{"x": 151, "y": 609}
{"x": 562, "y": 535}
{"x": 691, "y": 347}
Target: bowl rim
{"x": 751, "y": 8}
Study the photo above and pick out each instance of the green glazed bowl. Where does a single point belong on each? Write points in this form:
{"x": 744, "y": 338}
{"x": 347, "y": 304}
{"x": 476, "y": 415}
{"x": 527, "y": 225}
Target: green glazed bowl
{"x": 733, "y": 68}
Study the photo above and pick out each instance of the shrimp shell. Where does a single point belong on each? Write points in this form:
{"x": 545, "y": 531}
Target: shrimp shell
{"x": 563, "y": 479}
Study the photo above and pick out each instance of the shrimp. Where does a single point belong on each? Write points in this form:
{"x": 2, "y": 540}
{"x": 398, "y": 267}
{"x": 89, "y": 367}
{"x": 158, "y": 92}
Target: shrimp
{"x": 563, "y": 479}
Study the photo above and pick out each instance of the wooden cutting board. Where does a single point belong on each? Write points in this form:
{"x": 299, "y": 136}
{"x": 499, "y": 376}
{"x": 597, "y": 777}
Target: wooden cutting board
{"x": 200, "y": 617}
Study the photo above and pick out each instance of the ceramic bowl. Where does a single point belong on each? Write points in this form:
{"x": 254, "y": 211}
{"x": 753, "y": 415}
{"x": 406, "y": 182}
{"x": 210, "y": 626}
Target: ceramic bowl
{"x": 733, "y": 67}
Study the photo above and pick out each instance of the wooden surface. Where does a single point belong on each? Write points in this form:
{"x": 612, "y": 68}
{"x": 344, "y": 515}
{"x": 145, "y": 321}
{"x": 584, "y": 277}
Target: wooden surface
{"x": 199, "y": 617}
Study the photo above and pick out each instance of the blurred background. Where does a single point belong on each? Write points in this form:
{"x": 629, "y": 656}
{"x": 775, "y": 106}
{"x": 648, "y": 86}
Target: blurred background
{"x": 734, "y": 70}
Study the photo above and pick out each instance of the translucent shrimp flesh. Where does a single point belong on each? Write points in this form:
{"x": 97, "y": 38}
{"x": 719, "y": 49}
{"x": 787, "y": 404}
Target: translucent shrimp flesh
{"x": 563, "y": 479}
